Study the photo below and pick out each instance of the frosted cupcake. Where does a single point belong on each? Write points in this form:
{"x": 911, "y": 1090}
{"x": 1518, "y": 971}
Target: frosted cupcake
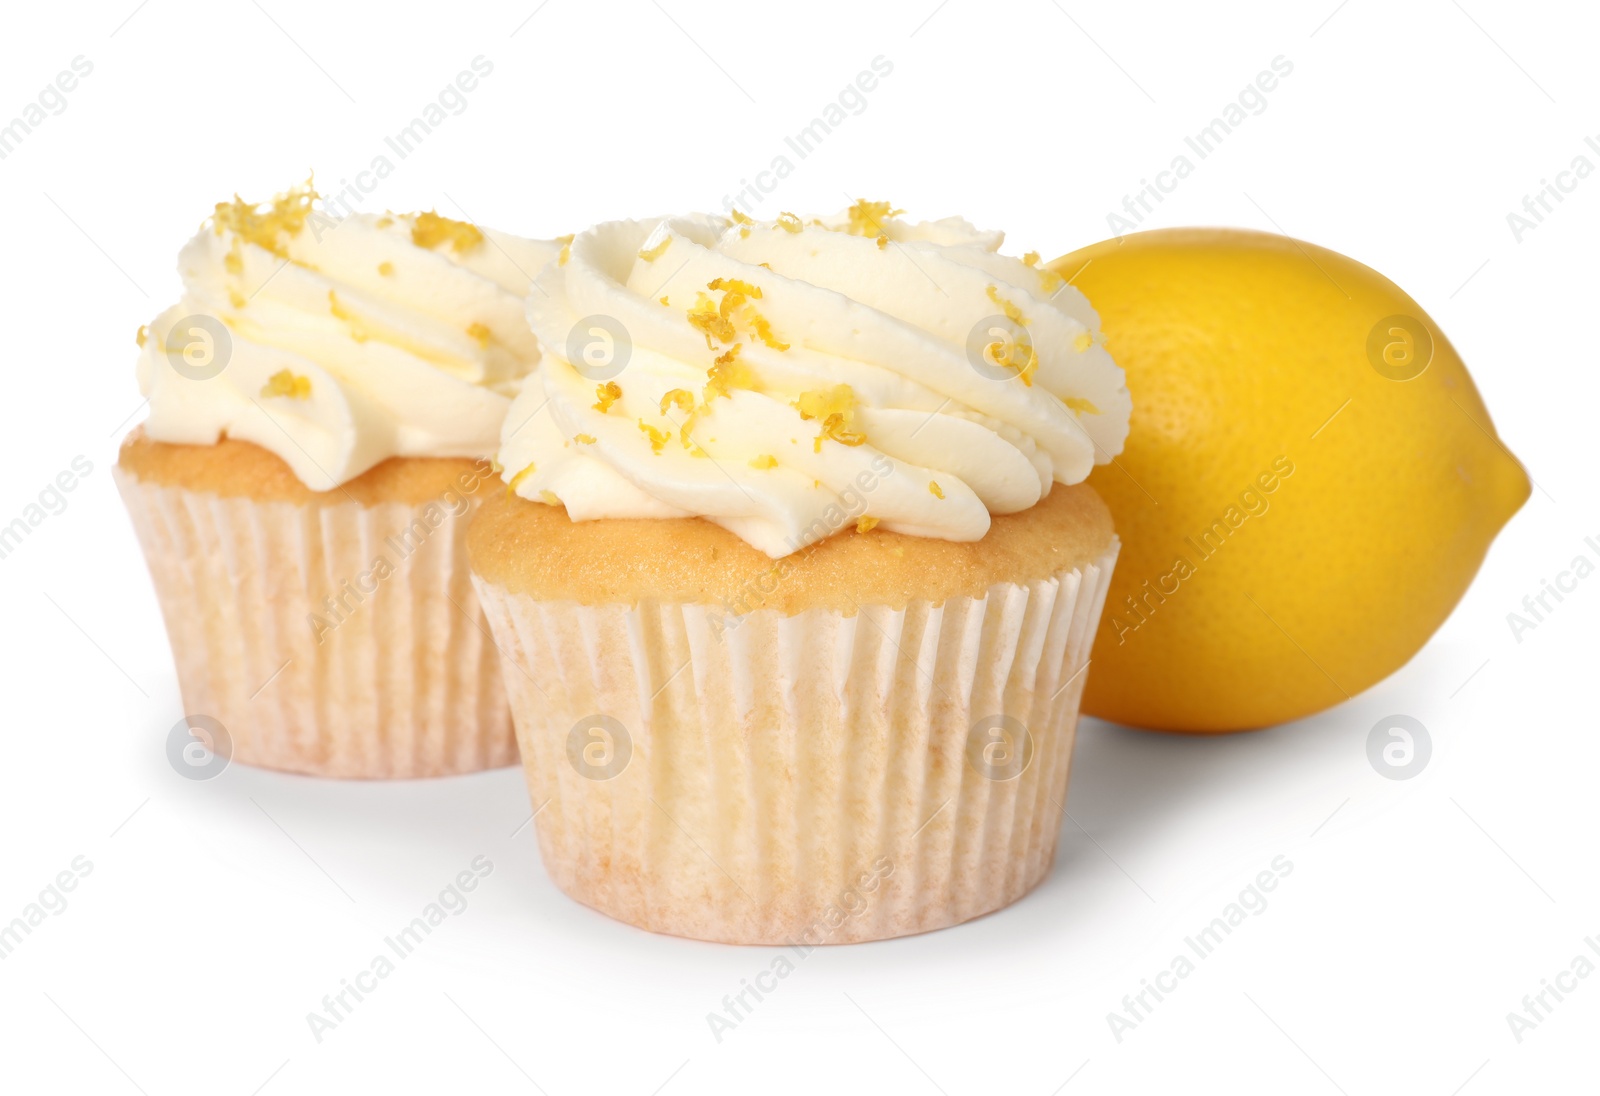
{"x": 798, "y": 582}
{"x": 324, "y": 404}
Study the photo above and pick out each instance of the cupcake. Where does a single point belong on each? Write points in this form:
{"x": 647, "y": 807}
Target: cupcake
{"x": 798, "y": 577}
{"x": 324, "y": 406}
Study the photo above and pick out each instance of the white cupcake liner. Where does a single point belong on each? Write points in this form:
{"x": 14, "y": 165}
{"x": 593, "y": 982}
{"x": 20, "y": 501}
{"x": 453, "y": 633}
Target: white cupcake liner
{"x": 406, "y": 684}
{"x": 801, "y": 779}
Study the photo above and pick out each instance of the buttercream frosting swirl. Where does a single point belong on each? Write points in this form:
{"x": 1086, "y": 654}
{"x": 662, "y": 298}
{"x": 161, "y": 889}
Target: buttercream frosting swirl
{"x": 788, "y": 378}
{"x": 337, "y": 344}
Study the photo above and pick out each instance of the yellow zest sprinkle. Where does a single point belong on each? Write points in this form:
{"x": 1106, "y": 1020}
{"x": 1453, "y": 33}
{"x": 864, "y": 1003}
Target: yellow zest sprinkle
{"x": 650, "y": 255}
{"x": 935, "y": 490}
{"x": 430, "y": 230}
{"x": 233, "y": 261}
{"x": 1013, "y": 313}
{"x": 1050, "y": 281}
{"x": 285, "y": 383}
{"x": 740, "y": 218}
{"x": 1025, "y": 368}
{"x": 479, "y": 332}
{"x": 764, "y": 461}
{"x": 705, "y": 318}
{"x": 1031, "y": 258}
{"x": 864, "y": 524}
{"x": 386, "y": 268}
{"x": 733, "y": 287}
{"x": 744, "y": 234}
{"x": 681, "y": 398}
{"x": 867, "y": 218}
{"x": 142, "y": 336}
{"x": 265, "y": 227}
{"x": 727, "y": 374}
{"x": 606, "y": 395}
{"x": 236, "y": 298}
{"x": 549, "y": 498}
{"x": 834, "y": 408}
{"x": 385, "y": 222}
{"x": 763, "y": 330}
{"x": 790, "y": 223}
{"x": 566, "y": 249}
{"x": 1083, "y": 342}
{"x": 883, "y": 241}
{"x": 515, "y": 481}
{"x": 765, "y": 266}
{"x": 1080, "y": 405}
{"x": 341, "y": 312}
{"x": 583, "y": 439}
{"x": 665, "y": 301}
{"x": 658, "y": 438}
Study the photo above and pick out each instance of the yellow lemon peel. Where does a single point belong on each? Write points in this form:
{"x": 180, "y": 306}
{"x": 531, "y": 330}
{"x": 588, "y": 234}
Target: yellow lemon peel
{"x": 289, "y": 385}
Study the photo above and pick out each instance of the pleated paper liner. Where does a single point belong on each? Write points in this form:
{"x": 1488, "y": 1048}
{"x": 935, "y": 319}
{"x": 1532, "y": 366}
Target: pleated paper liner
{"x": 817, "y": 778}
{"x": 336, "y": 639}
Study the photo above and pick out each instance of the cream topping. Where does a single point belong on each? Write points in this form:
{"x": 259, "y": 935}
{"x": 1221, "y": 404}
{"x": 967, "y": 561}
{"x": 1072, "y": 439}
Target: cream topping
{"x": 337, "y": 344}
{"x": 786, "y": 379}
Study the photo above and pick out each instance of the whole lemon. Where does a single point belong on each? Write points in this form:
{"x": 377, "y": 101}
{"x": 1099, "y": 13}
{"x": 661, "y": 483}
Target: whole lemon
{"x": 1310, "y": 481}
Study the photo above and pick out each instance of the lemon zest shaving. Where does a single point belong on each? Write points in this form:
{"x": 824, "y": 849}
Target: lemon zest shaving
{"x": 516, "y": 481}
{"x": 430, "y": 230}
{"x": 764, "y": 461}
{"x": 935, "y": 490}
{"x": 706, "y": 318}
{"x": 650, "y": 255}
{"x": 1013, "y": 313}
{"x": 865, "y": 524}
{"x": 726, "y": 374}
{"x": 867, "y": 218}
{"x": 834, "y": 410}
{"x": 290, "y": 385}
{"x": 681, "y": 398}
{"x": 605, "y": 395}
{"x": 265, "y": 227}
{"x": 658, "y": 438}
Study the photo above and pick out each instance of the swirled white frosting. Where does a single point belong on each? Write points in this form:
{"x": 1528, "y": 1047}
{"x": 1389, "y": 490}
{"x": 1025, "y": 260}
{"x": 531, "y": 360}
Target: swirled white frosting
{"x": 337, "y": 344}
{"x": 786, "y": 379}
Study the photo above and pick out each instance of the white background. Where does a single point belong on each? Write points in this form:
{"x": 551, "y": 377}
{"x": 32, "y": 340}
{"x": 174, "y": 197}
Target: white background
{"x": 218, "y": 914}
